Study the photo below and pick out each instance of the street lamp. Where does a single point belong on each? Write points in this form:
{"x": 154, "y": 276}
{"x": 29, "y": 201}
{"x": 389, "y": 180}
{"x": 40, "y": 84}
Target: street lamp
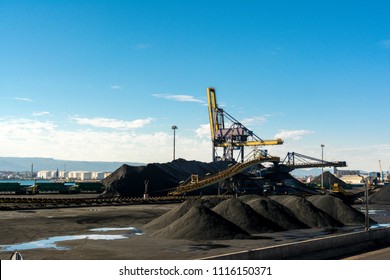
{"x": 366, "y": 220}
{"x": 174, "y": 127}
{"x": 322, "y": 166}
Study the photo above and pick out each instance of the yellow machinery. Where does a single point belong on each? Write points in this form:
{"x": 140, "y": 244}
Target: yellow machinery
{"x": 339, "y": 189}
{"x": 195, "y": 183}
{"x": 231, "y": 135}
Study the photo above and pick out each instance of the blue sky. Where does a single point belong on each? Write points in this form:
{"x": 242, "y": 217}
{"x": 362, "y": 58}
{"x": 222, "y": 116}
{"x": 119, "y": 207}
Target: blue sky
{"x": 106, "y": 80}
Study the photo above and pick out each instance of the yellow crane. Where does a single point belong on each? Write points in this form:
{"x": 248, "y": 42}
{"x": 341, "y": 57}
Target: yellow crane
{"x": 231, "y": 135}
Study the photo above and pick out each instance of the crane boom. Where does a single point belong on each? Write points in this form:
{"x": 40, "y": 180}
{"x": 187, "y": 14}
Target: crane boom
{"x": 212, "y": 105}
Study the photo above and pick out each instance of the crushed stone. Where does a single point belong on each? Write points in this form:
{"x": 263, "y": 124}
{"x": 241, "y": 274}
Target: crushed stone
{"x": 245, "y": 217}
{"x": 336, "y": 208}
{"x": 306, "y": 212}
{"x": 201, "y": 223}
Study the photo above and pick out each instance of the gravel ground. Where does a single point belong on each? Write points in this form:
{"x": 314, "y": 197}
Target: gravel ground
{"x": 19, "y": 227}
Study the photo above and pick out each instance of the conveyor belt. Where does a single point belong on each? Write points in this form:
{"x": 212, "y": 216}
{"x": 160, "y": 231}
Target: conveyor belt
{"x": 196, "y": 184}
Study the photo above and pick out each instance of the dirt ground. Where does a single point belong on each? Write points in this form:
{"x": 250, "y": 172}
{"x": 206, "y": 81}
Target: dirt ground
{"x": 23, "y": 226}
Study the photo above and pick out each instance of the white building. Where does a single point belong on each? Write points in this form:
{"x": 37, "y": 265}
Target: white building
{"x": 63, "y": 174}
{"x": 352, "y": 179}
{"x": 97, "y": 175}
{"x": 80, "y": 175}
{"x": 46, "y": 174}
{"x": 72, "y": 175}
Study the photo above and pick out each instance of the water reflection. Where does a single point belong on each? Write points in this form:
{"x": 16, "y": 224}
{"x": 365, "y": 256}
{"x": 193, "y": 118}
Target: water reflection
{"x": 375, "y": 211}
{"x": 133, "y": 230}
{"x": 50, "y": 243}
{"x": 380, "y": 226}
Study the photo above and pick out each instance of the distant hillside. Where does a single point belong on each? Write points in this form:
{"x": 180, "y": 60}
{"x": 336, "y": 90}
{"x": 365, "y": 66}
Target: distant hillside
{"x": 20, "y": 164}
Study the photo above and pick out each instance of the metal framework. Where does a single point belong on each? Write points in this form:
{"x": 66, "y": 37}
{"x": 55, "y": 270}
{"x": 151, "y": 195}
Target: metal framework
{"x": 194, "y": 183}
{"x": 295, "y": 160}
{"x": 231, "y": 135}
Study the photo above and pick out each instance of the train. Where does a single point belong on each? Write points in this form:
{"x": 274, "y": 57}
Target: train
{"x": 51, "y": 187}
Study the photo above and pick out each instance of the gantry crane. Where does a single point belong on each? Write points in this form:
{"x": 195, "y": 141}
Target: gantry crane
{"x": 295, "y": 160}
{"x": 231, "y": 135}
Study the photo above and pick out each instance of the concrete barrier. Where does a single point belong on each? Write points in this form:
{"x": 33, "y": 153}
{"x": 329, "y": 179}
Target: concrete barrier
{"x": 319, "y": 248}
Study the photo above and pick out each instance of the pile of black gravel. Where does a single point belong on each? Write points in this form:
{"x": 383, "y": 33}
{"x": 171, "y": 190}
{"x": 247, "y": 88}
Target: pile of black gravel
{"x": 129, "y": 181}
{"x": 382, "y": 196}
{"x": 235, "y": 218}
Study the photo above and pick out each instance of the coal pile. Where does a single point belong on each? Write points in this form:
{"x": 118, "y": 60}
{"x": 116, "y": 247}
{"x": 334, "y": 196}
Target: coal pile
{"x": 307, "y": 212}
{"x": 381, "y": 197}
{"x": 182, "y": 209}
{"x": 129, "y": 181}
{"x": 248, "y": 197}
{"x": 337, "y": 209}
{"x": 245, "y": 217}
{"x": 277, "y": 213}
{"x": 290, "y": 185}
{"x": 238, "y": 218}
{"x": 201, "y": 223}
{"x": 329, "y": 179}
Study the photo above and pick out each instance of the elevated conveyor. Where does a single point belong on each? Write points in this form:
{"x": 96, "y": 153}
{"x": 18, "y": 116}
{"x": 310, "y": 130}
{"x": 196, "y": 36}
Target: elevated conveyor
{"x": 195, "y": 184}
{"x": 295, "y": 160}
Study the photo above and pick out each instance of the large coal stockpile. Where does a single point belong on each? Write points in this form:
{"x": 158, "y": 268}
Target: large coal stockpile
{"x": 201, "y": 223}
{"x": 245, "y": 217}
{"x": 276, "y": 212}
{"x": 129, "y": 181}
{"x": 290, "y": 184}
{"x": 337, "y": 209}
{"x": 381, "y": 197}
{"x": 328, "y": 179}
{"x": 239, "y": 218}
{"x": 307, "y": 212}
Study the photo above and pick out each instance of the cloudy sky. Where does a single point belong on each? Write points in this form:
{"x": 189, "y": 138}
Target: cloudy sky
{"x": 106, "y": 80}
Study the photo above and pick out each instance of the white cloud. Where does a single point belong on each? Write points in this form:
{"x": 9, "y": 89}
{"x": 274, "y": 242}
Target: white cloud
{"x": 30, "y": 138}
{"x": 20, "y": 136}
{"x": 39, "y": 114}
{"x": 254, "y": 120}
{"x": 113, "y": 123}
{"x": 23, "y": 99}
{"x": 116, "y": 87}
{"x": 8, "y": 126}
{"x": 178, "y": 97}
{"x": 203, "y": 130}
{"x": 293, "y": 134}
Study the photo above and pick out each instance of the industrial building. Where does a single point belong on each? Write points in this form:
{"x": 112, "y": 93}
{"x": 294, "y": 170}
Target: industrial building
{"x": 72, "y": 175}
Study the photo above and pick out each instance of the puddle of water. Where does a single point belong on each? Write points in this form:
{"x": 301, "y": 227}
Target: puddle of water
{"x": 374, "y": 211}
{"x": 380, "y": 226}
{"x": 132, "y": 230}
{"x": 50, "y": 243}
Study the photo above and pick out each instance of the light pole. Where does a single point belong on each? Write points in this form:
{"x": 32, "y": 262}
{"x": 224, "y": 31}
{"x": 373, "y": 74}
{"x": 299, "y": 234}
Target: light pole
{"x": 174, "y": 127}
{"x": 366, "y": 220}
{"x": 322, "y": 167}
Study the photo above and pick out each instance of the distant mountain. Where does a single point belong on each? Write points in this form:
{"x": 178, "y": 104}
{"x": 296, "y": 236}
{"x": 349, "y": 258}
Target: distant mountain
{"x": 20, "y": 164}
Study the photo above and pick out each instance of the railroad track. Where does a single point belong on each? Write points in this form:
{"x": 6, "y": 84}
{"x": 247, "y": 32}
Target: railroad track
{"x": 19, "y": 203}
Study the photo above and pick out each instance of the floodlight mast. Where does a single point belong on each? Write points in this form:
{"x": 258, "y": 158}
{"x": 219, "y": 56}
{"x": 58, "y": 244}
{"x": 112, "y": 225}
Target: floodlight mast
{"x": 233, "y": 137}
